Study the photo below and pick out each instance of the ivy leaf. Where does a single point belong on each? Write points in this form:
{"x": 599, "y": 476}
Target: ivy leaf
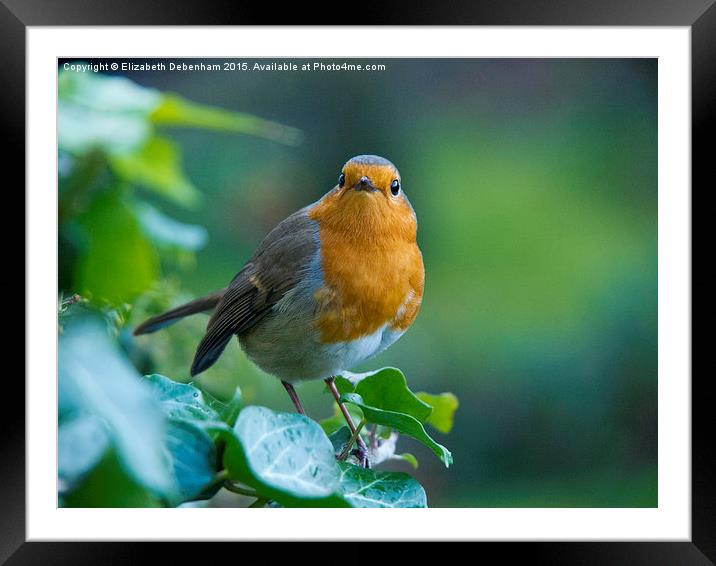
{"x": 82, "y": 441}
{"x": 407, "y": 424}
{"x": 110, "y": 485}
{"x": 189, "y": 449}
{"x": 387, "y": 389}
{"x": 96, "y": 379}
{"x": 115, "y": 234}
{"x": 102, "y": 112}
{"x": 384, "y": 398}
{"x": 177, "y": 111}
{"x": 181, "y": 400}
{"x": 157, "y": 166}
{"x": 363, "y": 487}
{"x": 119, "y": 116}
{"x": 285, "y": 456}
{"x": 332, "y": 424}
{"x": 227, "y": 410}
{"x": 344, "y": 384}
{"x": 406, "y": 457}
{"x": 166, "y": 232}
{"x": 186, "y": 401}
{"x": 192, "y": 458}
{"x": 84, "y": 129}
{"x": 107, "y": 93}
{"x": 444, "y": 406}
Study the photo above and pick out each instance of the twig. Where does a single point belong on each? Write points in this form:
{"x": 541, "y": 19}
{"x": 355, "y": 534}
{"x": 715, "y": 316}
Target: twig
{"x": 232, "y": 487}
{"x": 354, "y": 437}
{"x": 221, "y": 476}
{"x": 362, "y": 448}
{"x": 261, "y": 500}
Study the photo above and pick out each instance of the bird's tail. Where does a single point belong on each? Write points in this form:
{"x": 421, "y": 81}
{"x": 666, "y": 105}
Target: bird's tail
{"x": 203, "y": 304}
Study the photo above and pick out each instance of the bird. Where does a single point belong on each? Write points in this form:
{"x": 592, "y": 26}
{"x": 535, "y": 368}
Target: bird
{"x": 331, "y": 286}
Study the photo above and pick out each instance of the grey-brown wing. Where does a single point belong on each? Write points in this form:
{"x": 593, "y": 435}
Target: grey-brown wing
{"x": 272, "y": 271}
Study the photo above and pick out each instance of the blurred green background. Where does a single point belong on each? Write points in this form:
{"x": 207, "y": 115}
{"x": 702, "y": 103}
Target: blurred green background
{"x": 535, "y": 186}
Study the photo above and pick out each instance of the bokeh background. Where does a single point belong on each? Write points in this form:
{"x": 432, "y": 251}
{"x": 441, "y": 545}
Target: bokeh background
{"x": 535, "y": 186}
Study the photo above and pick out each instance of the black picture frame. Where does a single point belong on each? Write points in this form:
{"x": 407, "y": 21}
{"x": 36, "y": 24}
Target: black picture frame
{"x": 699, "y": 15}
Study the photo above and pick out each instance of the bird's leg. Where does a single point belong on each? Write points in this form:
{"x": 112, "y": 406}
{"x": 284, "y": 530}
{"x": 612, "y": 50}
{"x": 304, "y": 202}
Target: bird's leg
{"x": 362, "y": 448}
{"x": 294, "y": 397}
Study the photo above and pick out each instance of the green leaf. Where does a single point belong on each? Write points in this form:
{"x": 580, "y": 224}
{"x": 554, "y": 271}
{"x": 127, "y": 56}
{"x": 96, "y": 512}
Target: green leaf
{"x": 285, "y": 456}
{"x": 291, "y": 461}
{"x": 157, "y": 166}
{"x": 109, "y": 485}
{"x": 188, "y": 446}
{"x": 407, "y": 457}
{"x": 227, "y": 410}
{"x": 82, "y": 440}
{"x": 107, "y": 93}
{"x": 165, "y": 232}
{"x": 387, "y": 389}
{"x": 332, "y": 424}
{"x": 363, "y": 487}
{"x": 444, "y": 406}
{"x": 118, "y": 262}
{"x": 98, "y": 111}
{"x": 404, "y": 423}
{"x": 344, "y": 385}
{"x": 180, "y": 400}
{"x": 96, "y": 379}
{"x": 117, "y": 115}
{"x": 185, "y": 401}
{"x": 83, "y": 129}
{"x": 192, "y": 457}
{"x": 177, "y": 111}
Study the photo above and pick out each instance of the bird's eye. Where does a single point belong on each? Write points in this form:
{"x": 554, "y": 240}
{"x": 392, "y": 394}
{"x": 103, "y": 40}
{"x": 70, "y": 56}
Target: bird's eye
{"x": 395, "y": 187}
{"x": 341, "y": 180}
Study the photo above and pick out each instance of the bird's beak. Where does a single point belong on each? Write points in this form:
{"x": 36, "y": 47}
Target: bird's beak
{"x": 364, "y": 184}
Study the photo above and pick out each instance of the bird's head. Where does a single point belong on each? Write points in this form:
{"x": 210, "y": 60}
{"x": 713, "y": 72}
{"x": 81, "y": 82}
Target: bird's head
{"x": 368, "y": 201}
{"x": 370, "y": 174}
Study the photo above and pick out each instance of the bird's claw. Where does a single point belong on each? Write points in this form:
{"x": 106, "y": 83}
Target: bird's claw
{"x": 361, "y": 453}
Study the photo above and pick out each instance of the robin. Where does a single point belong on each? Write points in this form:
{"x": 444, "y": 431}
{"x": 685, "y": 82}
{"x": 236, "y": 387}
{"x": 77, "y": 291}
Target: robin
{"x": 331, "y": 286}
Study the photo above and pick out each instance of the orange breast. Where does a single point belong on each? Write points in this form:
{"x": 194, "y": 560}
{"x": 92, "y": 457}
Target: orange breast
{"x": 372, "y": 266}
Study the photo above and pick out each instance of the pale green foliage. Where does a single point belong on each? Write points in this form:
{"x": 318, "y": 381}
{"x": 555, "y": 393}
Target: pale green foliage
{"x": 132, "y": 440}
{"x": 443, "y": 413}
{"x": 111, "y": 150}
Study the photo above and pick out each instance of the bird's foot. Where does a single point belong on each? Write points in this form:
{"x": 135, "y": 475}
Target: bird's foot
{"x": 361, "y": 454}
